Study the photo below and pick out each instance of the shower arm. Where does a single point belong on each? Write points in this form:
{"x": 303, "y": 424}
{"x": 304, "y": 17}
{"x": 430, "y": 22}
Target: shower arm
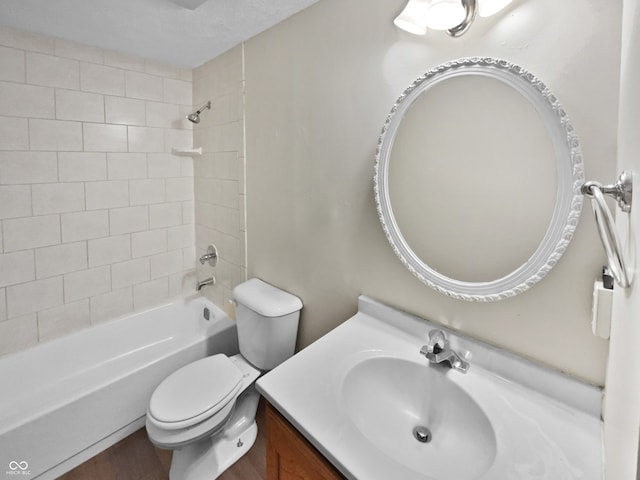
{"x": 204, "y": 107}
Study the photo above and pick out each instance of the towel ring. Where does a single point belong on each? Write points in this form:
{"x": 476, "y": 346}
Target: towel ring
{"x": 622, "y": 191}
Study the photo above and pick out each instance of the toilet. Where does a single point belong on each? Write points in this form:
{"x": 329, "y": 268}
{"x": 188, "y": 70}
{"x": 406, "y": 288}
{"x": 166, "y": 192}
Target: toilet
{"x": 205, "y": 411}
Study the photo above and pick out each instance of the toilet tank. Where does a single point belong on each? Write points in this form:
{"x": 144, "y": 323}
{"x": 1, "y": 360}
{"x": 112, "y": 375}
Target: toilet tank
{"x": 267, "y": 319}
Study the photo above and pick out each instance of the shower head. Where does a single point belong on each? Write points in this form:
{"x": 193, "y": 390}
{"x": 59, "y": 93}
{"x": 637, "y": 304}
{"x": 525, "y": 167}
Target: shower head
{"x": 195, "y": 117}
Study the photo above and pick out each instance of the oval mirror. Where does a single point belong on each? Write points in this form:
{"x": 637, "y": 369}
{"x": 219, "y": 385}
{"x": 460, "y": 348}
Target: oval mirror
{"x": 477, "y": 179}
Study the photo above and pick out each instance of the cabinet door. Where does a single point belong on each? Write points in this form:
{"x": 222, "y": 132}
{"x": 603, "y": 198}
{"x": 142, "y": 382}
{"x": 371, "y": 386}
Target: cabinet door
{"x": 292, "y": 457}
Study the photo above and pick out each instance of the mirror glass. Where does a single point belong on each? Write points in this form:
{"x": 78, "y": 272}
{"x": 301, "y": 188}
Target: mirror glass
{"x": 476, "y": 175}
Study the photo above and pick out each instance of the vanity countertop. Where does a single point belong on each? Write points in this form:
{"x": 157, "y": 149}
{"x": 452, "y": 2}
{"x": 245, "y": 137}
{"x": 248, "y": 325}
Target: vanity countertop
{"x": 350, "y": 392}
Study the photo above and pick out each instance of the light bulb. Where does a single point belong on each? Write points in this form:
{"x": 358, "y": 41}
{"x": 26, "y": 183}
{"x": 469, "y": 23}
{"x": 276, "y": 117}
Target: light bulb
{"x": 412, "y": 18}
{"x": 445, "y": 14}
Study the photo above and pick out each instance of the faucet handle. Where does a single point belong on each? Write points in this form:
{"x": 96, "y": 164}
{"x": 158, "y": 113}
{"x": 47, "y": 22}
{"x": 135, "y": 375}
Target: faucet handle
{"x": 211, "y": 256}
{"x": 437, "y": 341}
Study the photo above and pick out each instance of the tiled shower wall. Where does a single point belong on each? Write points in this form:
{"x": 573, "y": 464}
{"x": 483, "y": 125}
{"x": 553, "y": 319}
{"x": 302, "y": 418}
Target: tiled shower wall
{"x": 96, "y": 214}
{"x": 219, "y": 172}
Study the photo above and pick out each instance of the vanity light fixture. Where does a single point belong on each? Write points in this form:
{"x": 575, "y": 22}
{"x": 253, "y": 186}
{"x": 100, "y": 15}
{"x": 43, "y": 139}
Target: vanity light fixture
{"x": 453, "y": 16}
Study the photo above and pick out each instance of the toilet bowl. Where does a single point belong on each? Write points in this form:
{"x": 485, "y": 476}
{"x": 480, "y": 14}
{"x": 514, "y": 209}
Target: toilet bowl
{"x": 205, "y": 411}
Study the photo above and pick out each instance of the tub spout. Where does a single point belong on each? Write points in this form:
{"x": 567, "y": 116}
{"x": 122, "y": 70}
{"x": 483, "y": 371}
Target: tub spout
{"x": 206, "y": 281}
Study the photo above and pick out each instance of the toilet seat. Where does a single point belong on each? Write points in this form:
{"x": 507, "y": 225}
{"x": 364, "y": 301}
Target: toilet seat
{"x": 202, "y": 390}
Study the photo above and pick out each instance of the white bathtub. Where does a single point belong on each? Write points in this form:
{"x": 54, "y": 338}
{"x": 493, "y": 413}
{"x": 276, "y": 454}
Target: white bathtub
{"x": 63, "y": 401}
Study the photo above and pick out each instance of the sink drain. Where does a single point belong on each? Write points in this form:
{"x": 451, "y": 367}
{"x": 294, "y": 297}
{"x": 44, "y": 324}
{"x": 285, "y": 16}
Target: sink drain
{"x": 422, "y": 434}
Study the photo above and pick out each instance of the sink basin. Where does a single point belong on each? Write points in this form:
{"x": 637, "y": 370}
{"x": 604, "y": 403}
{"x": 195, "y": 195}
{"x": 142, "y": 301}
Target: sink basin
{"x": 415, "y": 414}
{"x": 366, "y": 398}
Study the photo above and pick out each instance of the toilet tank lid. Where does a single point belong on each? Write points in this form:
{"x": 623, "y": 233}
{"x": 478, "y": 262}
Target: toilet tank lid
{"x": 266, "y": 299}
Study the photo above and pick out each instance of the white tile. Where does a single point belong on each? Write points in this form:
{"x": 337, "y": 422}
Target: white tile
{"x": 188, "y": 212}
{"x": 3, "y": 304}
{"x": 87, "y": 283}
{"x": 145, "y": 139}
{"x": 111, "y": 305}
{"x": 125, "y": 111}
{"x": 165, "y": 264}
{"x": 130, "y": 273}
{"x": 55, "y": 135}
{"x": 15, "y": 201}
{"x": 50, "y": 71}
{"x": 186, "y": 74}
{"x": 164, "y": 115}
{"x": 125, "y": 166}
{"x": 31, "y": 232}
{"x": 23, "y": 100}
{"x": 177, "y": 138}
{"x": 109, "y": 194}
{"x": 28, "y": 167}
{"x": 230, "y": 194}
{"x": 126, "y": 62}
{"x": 143, "y": 86}
{"x": 105, "y": 251}
{"x": 18, "y": 333}
{"x": 161, "y": 69}
{"x": 82, "y": 166}
{"x": 34, "y": 296}
{"x": 17, "y": 267}
{"x": 164, "y": 165}
{"x": 78, "y": 51}
{"x": 179, "y": 189}
{"x": 128, "y": 220}
{"x": 61, "y": 259}
{"x": 228, "y": 108}
{"x": 206, "y": 190}
{"x": 104, "y": 138}
{"x": 80, "y": 106}
{"x": 14, "y": 133}
{"x": 150, "y": 293}
{"x": 144, "y": 244}
{"x": 186, "y": 167}
{"x": 189, "y": 258}
{"x": 11, "y": 37}
{"x": 182, "y": 283}
{"x": 64, "y": 319}
{"x": 101, "y": 79}
{"x": 205, "y": 214}
{"x": 165, "y": 215}
{"x": 12, "y": 64}
{"x": 181, "y": 236}
{"x": 177, "y": 91}
{"x": 57, "y": 198}
{"x": 84, "y": 225}
{"x": 145, "y": 192}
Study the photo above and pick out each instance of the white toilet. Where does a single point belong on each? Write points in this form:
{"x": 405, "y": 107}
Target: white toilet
{"x": 205, "y": 411}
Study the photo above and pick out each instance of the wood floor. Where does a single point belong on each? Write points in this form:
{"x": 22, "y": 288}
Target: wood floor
{"x": 136, "y": 458}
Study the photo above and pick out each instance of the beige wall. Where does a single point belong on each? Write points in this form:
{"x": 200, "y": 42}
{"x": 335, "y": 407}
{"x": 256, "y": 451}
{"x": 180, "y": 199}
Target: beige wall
{"x": 219, "y": 172}
{"x": 96, "y": 214}
{"x": 318, "y": 88}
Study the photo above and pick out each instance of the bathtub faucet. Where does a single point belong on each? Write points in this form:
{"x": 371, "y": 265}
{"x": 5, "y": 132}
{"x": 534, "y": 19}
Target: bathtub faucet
{"x": 438, "y": 351}
{"x": 206, "y": 281}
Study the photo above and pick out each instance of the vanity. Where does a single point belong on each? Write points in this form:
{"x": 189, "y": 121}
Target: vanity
{"x": 290, "y": 455}
{"x": 363, "y": 403}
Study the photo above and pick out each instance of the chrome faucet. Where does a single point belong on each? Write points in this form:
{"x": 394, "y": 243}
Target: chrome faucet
{"x": 438, "y": 351}
{"x": 206, "y": 281}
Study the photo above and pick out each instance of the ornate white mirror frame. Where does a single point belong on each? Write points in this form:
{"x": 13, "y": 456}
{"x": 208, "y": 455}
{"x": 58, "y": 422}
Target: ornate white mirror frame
{"x": 569, "y": 172}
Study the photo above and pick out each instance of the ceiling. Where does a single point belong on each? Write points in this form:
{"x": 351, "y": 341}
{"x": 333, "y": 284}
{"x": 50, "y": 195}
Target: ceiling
{"x": 183, "y": 33}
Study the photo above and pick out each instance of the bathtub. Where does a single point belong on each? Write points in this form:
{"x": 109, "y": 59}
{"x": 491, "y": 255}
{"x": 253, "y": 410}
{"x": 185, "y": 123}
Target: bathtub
{"x": 65, "y": 400}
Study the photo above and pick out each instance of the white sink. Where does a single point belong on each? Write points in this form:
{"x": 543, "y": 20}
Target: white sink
{"x": 367, "y": 399}
{"x": 391, "y": 401}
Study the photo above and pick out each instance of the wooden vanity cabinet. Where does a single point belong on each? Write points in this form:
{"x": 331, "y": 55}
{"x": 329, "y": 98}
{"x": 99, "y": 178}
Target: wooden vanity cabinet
{"x": 290, "y": 456}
